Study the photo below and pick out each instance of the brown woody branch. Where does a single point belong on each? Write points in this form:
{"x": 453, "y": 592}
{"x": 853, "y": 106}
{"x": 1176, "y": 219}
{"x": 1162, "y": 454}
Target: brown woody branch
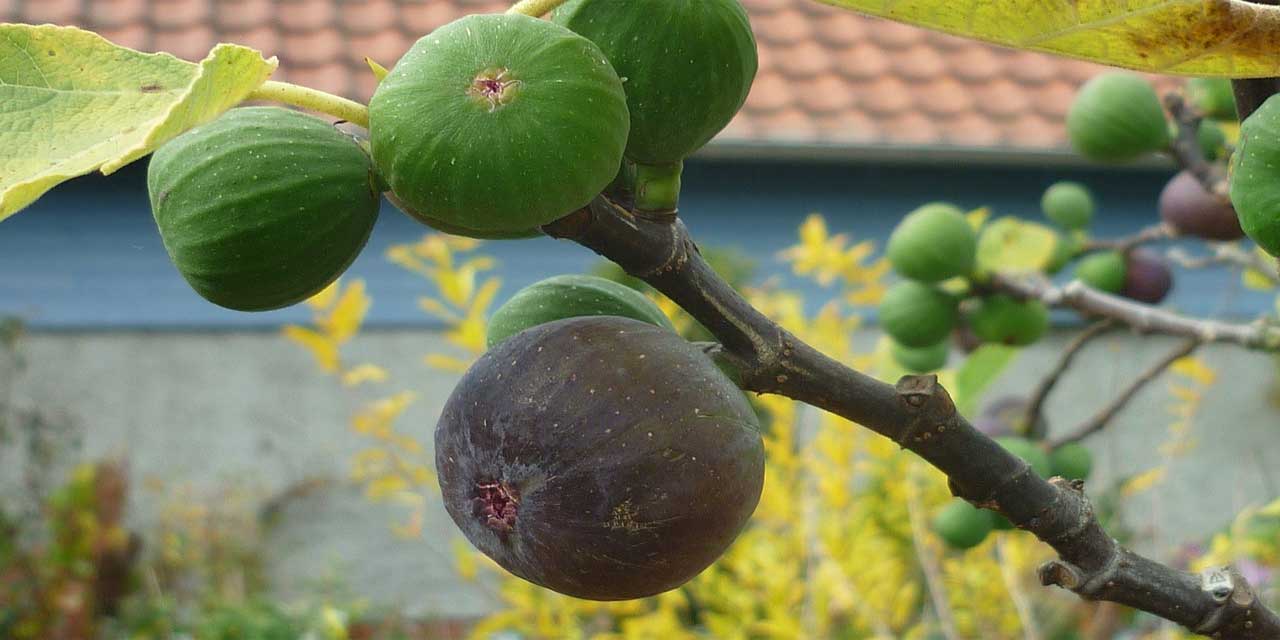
{"x": 1036, "y": 404}
{"x": 1185, "y": 147}
{"x": 919, "y": 414}
{"x": 1104, "y": 417}
{"x": 1226, "y": 253}
{"x": 1125, "y": 244}
{"x": 1141, "y": 317}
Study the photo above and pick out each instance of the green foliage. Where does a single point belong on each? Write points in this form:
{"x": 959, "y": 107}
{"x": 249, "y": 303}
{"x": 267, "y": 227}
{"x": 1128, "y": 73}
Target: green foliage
{"x": 1255, "y": 176}
{"x": 962, "y": 525}
{"x": 978, "y": 372}
{"x": 1072, "y": 461}
{"x": 263, "y": 207}
{"x": 499, "y": 123}
{"x": 917, "y": 314}
{"x": 568, "y": 296}
{"x": 683, "y": 87}
{"x": 1213, "y": 140}
{"x": 1002, "y": 319}
{"x": 1070, "y": 204}
{"x": 1104, "y": 271}
{"x": 87, "y": 104}
{"x": 1116, "y": 117}
{"x": 1065, "y": 246}
{"x": 922, "y": 359}
{"x": 1012, "y": 245}
{"x": 933, "y": 243}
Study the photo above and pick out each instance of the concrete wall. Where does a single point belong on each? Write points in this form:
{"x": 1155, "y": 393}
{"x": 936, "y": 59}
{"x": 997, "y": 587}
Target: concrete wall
{"x": 210, "y": 410}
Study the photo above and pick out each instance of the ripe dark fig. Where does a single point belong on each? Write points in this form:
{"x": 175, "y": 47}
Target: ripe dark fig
{"x": 601, "y": 457}
{"x": 1147, "y": 277}
{"x": 1187, "y": 207}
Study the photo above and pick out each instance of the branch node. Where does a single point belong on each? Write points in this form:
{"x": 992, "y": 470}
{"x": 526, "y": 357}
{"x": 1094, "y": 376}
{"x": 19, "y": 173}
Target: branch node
{"x": 928, "y": 403}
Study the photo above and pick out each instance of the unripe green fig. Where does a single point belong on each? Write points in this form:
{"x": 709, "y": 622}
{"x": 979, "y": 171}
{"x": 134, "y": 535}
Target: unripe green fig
{"x": 1064, "y": 249}
{"x": 262, "y": 207}
{"x": 1030, "y": 452}
{"x": 1069, "y": 204}
{"x": 916, "y": 314}
{"x": 688, "y": 67}
{"x": 499, "y": 123}
{"x": 1104, "y": 271}
{"x": 1213, "y": 97}
{"x": 1116, "y": 117}
{"x": 601, "y": 457}
{"x": 1255, "y": 176}
{"x": 1213, "y": 140}
{"x": 933, "y": 243}
{"x": 1004, "y": 320}
{"x": 962, "y": 525}
{"x": 1071, "y": 461}
{"x": 922, "y": 359}
{"x": 570, "y": 296}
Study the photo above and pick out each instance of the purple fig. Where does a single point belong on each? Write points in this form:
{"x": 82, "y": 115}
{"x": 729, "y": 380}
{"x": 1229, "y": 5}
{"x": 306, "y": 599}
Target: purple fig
{"x": 1188, "y": 207}
{"x": 1147, "y": 277}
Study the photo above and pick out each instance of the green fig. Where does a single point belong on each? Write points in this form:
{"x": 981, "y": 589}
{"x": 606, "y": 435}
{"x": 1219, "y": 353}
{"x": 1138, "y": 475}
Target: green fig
{"x": 962, "y": 525}
{"x": 933, "y": 243}
{"x": 1116, "y": 117}
{"x": 1069, "y": 204}
{"x": 922, "y": 359}
{"x": 1255, "y": 176}
{"x": 1004, "y": 320}
{"x": 1104, "y": 271}
{"x": 1072, "y": 461}
{"x": 916, "y": 314}
{"x": 570, "y": 296}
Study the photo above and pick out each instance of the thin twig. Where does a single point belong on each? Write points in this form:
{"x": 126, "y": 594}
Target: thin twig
{"x": 1101, "y": 419}
{"x": 1124, "y": 244}
{"x": 920, "y": 415}
{"x": 1145, "y": 318}
{"x": 1186, "y": 150}
{"x": 1030, "y": 628}
{"x": 929, "y": 562}
{"x": 1226, "y": 253}
{"x": 1036, "y": 404}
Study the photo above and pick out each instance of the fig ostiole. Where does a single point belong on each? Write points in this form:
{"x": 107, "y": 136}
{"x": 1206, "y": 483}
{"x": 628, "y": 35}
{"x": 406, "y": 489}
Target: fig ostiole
{"x": 499, "y": 124}
{"x": 601, "y": 457}
{"x": 262, "y": 207}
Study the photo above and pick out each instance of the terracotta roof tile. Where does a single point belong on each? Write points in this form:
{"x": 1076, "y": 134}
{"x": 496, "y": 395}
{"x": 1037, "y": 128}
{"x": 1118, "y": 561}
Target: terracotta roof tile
{"x": 826, "y": 75}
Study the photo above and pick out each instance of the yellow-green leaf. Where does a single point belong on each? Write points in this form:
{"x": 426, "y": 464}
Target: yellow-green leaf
{"x": 74, "y": 103}
{"x": 1011, "y": 245}
{"x": 979, "y": 370}
{"x": 1186, "y": 37}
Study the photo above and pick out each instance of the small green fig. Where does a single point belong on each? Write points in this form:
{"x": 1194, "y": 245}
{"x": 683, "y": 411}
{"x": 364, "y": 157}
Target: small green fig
{"x": 1069, "y": 204}
{"x": 922, "y": 359}
{"x": 1104, "y": 271}
{"x": 1213, "y": 97}
{"x": 916, "y": 314}
{"x": 1072, "y": 461}
{"x": 1004, "y": 320}
{"x": 1255, "y": 176}
{"x": 933, "y": 243}
{"x": 962, "y": 525}
{"x": 1030, "y": 452}
{"x": 1116, "y": 117}
{"x": 570, "y": 296}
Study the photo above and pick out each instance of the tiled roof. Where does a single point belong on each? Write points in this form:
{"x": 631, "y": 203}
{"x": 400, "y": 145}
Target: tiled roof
{"x": 826, "y": 75}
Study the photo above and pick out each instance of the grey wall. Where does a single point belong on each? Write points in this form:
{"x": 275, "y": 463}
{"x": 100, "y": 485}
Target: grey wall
{"x": 211, "y": 410}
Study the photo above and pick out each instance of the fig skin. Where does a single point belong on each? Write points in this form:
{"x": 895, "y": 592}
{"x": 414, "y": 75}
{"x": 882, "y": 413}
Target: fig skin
{"x": 600, "y": 457}
{"x": 917, "y": 315}
{"x": 1187, "y": 207}
{"x": 569, "y": 296}
{"x": 1104, "y": 271}
{"x": 1070, "y": 204}
{"x": 933, "y": 243}
{"x": 1255, "y": 167}
{"x": 962, "y": 525}
{"x": 1116, "y": 117}
{"x": 1147, "y": 277}
{"x": 1005, "y": 320}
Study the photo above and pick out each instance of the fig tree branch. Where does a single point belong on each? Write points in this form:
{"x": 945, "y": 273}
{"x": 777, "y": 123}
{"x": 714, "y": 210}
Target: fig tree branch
{"x": 1104, "y": 417}
{"x": 1144, "y": 318}
{"x": 1153, "y": 233}
{"x": 1225, "y": 253}
{"x": 919, "y": 414}
{"x": 1185, "y": 146}
{"x": 1036, "y": 404}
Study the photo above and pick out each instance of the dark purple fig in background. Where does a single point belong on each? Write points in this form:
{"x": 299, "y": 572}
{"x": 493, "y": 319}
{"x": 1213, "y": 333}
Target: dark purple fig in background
{"x": 601, "y": 457}
{"x": 1147, "y": 277}
{"x": 1004, "y": 416}
{"x": 1187, "y": 207}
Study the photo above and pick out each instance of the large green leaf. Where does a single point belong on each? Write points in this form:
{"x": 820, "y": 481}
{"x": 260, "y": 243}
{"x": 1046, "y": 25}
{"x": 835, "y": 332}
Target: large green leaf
{"x": 1189, "y": 37}
{"x": 72, "y": 102}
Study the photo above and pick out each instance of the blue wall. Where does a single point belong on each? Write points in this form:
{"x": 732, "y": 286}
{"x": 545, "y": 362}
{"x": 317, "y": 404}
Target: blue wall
{"x": 88, "y": 254}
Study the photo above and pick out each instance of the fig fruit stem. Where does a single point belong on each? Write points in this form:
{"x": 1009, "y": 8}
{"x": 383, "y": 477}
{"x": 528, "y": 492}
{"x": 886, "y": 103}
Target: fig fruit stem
{"x": 1104, "y": 417}
{"x": 920, "y": 415}
{"x": 314, "y": 100}
{"x": 1186, "y": 149}
{"x": 535, "y": 8}
{"x": 657, "y": 187}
